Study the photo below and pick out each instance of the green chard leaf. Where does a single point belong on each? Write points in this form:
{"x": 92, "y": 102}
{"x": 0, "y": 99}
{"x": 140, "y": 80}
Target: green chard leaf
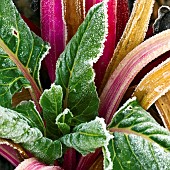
{"x": 45, "y": 149}
{"x": 74, "y": 70}
{"x": 16, "y": 127}
{"x": 139, "y": 141}
{"x": 29, "y": 111}
{"x": 51, "y": 103}
{"x": 63, "y": 121}
{"x": 87, "y": 137}
{"x": 21, "y": 52}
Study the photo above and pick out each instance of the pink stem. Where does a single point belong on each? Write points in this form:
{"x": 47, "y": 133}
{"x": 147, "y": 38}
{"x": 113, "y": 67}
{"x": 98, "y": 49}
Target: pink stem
{"x": 87, "y": 161}
{"x": 126, "y": 71}
{"x": 9, "y": 154}
{"x": 34, "y": 164}
{"x": 53, "y": 31}
{"x": 101, "y": 65}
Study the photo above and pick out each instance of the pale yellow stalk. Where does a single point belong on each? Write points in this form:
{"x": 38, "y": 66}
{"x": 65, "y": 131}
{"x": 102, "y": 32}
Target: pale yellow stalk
{"x": 163, "y": 107}
{"x": 133, "y": 35}
{"x": 154, "y": 84}
{"x": 74, "y": 14}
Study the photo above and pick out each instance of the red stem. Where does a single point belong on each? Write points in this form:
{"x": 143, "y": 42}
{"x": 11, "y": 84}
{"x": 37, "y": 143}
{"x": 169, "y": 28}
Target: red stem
{"x": 36, "y": 91}
{"x": 87, "y": 161}
{"x": 70, "y": 161}
{"x": 52, "y": 31}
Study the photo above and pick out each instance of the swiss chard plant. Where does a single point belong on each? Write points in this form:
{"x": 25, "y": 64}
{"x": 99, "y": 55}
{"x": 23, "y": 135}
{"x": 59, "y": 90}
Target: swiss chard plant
{"x": 92, "y": 52}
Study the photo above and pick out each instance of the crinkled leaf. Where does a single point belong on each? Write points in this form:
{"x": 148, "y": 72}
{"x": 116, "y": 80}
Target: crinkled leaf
{"x": 28, "y": 110}
{"x": 45, "y": 149}
{"x": 139, "y": 141}
{"x": 63, "y": 121}
{"x": 74, "y": 68}
{"x": 21, "y": 52}
{"x": 16, "y": 127}
{"x": 51, "y": 103}
{"x": 86, "y": 137}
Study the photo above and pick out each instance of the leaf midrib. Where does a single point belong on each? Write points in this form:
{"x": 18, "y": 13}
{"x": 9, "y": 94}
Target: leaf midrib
{"x": 129, "y": 131}
{"x": 22, "y": 68}
{"x": 71, "y": 71}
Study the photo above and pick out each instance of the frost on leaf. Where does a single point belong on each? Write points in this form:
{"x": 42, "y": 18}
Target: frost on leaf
{"x": 139, "y": 141}
{"x": 74, "y": 70}
{"x": 87, "y": 137}
{"x": 21, "y": 53}
{"x": 16, "y": 127}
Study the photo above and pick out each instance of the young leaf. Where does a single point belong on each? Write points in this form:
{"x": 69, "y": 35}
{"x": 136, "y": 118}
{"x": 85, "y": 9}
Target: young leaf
{"x": 139, "y": 141}
{"x": 51, "y": 103}
{"x": 74, "y": 68}
{"x": 27, "y": 109}
{"x": 63, "y": 121}
{"x": 21, "y": 52}
{"x": 16, "y": 127}
{"x": 86, "y": 137}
